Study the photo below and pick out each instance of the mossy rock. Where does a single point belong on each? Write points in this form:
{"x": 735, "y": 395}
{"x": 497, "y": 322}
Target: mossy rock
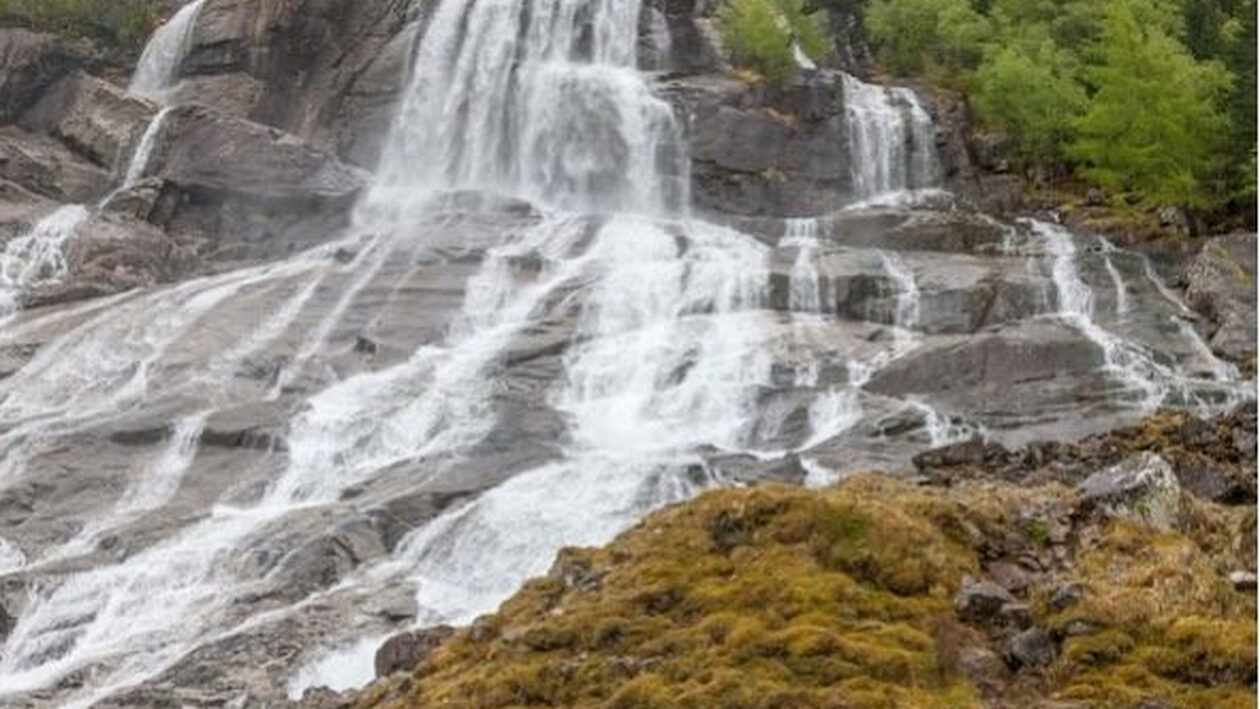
{"x": 842, "y": 598}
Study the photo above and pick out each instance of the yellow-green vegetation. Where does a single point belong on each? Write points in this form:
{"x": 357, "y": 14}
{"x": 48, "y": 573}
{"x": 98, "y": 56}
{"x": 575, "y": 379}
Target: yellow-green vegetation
{"x": 1152, "y": 100}
{"x": 1160, "y": 620}
{"x": 843, "y": 598}
{"x": 121, "y": 24}
{"x": 765, "y": 35}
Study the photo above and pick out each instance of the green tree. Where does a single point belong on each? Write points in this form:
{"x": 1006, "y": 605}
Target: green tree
{"x": 1154, "y": 125}
{"x": 765, "y": 34}
{"x": 1031, "y": 95}
{"x": 1240, "y": 58}
{"x": 915, "y": 34}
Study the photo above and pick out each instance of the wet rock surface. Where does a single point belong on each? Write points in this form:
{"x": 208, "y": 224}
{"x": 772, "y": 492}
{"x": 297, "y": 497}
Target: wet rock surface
{"x": 1220, "y": 284}
{"x": 30, "y": 62}
{"x": 217, "y": 325}
{"x": 1049, "y": 604}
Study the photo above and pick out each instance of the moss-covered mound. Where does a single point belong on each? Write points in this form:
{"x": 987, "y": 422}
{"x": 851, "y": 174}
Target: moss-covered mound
{"x": 780, "y": 597}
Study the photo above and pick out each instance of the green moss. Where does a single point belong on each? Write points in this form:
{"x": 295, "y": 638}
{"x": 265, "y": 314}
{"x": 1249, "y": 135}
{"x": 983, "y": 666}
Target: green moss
{"x": 773, "y": 597}
{"x": 781, "y": 597}
{"x": 1039, "y": 531}
{"x": 1170, "y": 626}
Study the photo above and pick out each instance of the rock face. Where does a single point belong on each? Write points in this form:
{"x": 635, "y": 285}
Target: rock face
{"x": 1221, "y": 285}
{"x": 46, "y": 166}
{"x": 30, "y": 62}
{"x": 403, "y": 652}
{"x": 219, "y": 156}
{"x": 764, "y": 150}
{"x": 247, "y": 190}
{"x": 93, "y": 117}
{"x": 232, "y": 400}
{"x": 325, "y": 70}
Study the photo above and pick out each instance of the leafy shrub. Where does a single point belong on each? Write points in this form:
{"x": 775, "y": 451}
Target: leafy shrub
{"x": 765, "y": 35}
{"x": 1151, "y": 98}
{"x": 1153, "y": 126}
{"x": 913, "y": 35}
{"x": 1031, "y": 95}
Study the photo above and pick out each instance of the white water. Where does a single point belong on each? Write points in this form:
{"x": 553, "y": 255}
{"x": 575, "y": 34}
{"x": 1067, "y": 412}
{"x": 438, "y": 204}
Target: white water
{"x": 667, "y": 347}
{"x": 38, "y": 257}
{"x": 635, "y": 420}
{"x": 158, "y": 68}
{"x": 906, "y": 314}
{"x": 1117, "y": 281}
{"x": 559, "y": 116}
{"x": 11, "y": 557}
{"x": 1137, "y": 370}
{"x": 144, "y": 150}
{"x": 805, "y": 289}
{"x": 162, "y": 480}
{"x": 891, "y": 143}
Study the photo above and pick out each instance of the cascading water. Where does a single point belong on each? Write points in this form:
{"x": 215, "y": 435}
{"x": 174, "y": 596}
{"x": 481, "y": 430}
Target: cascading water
{"x": 1136, "y": 368}
{"x": 158, "y": 69}
{"x": 1117, "y": 280}
{"x": 805, "y": 294}
{"x": 892, "y": 147}
{"x": 38, "y": 257}
{"x": 659, "y": 374}
{"x": 537, "y": 98}
{"x": 669, "y": 355}
{"x": 631, "y": 345}
{"x": 144, "y": 150}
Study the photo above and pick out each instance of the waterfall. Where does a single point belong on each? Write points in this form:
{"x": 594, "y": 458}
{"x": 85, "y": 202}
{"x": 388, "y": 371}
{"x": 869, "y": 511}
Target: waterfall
{"x": 906, "y": 311}
{"x": 1117, "y": 281}
{"x": 144, "y": 151}
{"x": 647, "y": 339}
{"x": 1138, "y": 370}
{"x": 669, "y": 360}
{"x": 805, "y": 290}
{"x": 892, "y": 147}
{"x": 158, "y": 68}
{"x": 538, "y": 99}
{"x": 38, "y": 257}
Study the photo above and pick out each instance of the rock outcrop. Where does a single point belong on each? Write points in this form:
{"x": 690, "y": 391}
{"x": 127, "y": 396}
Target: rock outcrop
{"x": 324, "y": 70}
{"x": 1221, "y": 286}
{"x": 30, "y": 62}
{"x": 986, "y": 594}
{"x": 92, "y": 117}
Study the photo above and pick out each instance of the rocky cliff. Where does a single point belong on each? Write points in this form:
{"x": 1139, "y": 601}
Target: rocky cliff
{"x": 371, "y": 307}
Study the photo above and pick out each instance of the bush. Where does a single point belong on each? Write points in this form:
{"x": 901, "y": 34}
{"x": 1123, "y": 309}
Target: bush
{"x": 1031, "y": 96}
{"x": 764, "y": 35}
{"x": 1154, "y": 126}
{"x": 124, "y": 24}
{"x": 915, "y": 34}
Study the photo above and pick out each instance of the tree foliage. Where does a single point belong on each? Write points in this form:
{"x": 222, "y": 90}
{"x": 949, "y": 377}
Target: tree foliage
{"x": 917, "y": 34}
{"x": 766, "y": 35}
{"x": 1031, "y": 94}
{"x": 1153, "y": 126}
{"x": 1154, "y": 98}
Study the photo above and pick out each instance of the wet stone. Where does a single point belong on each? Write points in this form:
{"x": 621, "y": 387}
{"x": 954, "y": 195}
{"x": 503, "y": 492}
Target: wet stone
{"x": 1032, "y": 648}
